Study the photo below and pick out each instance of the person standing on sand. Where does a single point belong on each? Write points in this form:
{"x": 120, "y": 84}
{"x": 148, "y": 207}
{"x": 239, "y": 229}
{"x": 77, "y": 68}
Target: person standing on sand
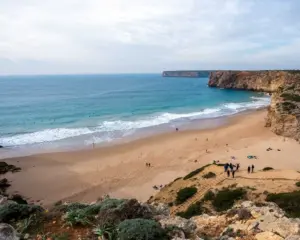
{"x": 252, "y": 168}
{"x": 226, "y": 167}
{"x": 237, "y": 166}
{"x": 249, "y": 169}
{"x": 228, "y": 173}
{"x": 233, "y": 172}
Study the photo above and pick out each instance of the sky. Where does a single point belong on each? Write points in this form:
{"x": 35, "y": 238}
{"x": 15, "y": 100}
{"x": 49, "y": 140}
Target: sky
{"x": 147, "y": 36}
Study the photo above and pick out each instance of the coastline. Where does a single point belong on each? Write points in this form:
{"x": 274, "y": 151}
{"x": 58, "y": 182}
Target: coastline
{"x": 120, "y": 170}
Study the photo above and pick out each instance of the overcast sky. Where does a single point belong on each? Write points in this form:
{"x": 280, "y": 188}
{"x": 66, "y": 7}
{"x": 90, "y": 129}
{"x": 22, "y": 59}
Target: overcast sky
{"x": 108, "y": 36}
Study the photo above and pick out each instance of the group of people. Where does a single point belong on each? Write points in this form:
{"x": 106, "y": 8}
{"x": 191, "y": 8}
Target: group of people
{"x": 251, "y": 169}
{"x": 230, "y": 168}
{"x": 148, "y": 164}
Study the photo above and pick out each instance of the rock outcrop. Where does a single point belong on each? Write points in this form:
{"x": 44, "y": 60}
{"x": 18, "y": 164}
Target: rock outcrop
{"x": 284, "y": 111}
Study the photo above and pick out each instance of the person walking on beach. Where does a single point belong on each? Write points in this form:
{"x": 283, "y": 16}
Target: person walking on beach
{"x": 249, "y": 169}
{"x": 231, "y": 166}
{"x": 228, "y": 173}
{"x": 252, "y": 168}
{"x": 233, "y": 172}
{"x": 237, "y": 166}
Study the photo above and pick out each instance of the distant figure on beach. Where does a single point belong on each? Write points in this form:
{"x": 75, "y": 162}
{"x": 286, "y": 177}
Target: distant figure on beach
{"x": 206, "y": 151}
{"x": 233, "y": 172}
{"x": 177, "y": 129}
{"x": 93, "y": 145}
{"x": 228, "y": 173}
{"x": 148, "y": 165}
{"x": 237, "y": 166}
{"x": 249, "y": 169}
{"x": 231, "y": 166}
{"x": 206, "y": 139}
{"x": 252, "y": 168}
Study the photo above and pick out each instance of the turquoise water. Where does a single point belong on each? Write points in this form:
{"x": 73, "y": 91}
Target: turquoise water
{"x": 39, "y": 110}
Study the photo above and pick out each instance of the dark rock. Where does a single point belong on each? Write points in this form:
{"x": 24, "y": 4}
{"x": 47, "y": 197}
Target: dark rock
{"x": 1, "y": 146}
{"x": 4, "y": 168}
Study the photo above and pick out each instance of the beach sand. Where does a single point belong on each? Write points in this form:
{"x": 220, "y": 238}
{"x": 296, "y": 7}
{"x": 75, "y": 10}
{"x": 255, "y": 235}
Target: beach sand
{"x": 120, "y": 170}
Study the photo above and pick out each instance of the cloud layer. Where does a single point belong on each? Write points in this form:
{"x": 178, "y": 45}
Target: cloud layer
{"x": 100, "y": 36}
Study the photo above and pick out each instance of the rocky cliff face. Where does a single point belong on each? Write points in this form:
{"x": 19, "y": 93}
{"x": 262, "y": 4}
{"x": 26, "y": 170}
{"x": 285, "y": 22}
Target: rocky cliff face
{"x": 284, "y": 112}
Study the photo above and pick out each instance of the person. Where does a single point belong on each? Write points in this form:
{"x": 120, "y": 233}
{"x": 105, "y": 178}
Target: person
{"x": 228, "y": 173}
{"x": 233, "y": 172}
{"x": 177, "y": 129}
{"x": 231, "y": 166}
{"x": 237, "y": 166}
{"x": 249, "y": 169}
{"x": 226, "y": 167}
{"x": 252, "y": 168}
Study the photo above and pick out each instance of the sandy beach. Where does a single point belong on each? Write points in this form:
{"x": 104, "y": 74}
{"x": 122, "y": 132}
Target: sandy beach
{"x": 120, "y": 170}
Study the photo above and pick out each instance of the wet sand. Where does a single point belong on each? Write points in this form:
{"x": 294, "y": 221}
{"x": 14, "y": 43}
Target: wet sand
{"x": 120, "y": 170}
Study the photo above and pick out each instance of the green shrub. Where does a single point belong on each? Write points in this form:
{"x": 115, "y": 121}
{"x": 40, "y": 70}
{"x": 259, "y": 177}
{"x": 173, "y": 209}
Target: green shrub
{"x": 291, "y": 97}
{"x": 289, "y": 202}
{"x": 193, "y": 210}
{"x": 184, "y": 194}
{"x": 109, "y": 212}
{"x": 195, "y": 172}
{"x": 14, "y": 211}
{"x": 297, "y": 184}
{"x": 140, "y": 229}
{"x": 225, "y": 198}
{"x": 208, "y": 196}
{"x": 209, "y": 175}
{"x": 268, "y": 169}
{"x": 4, "y": 168}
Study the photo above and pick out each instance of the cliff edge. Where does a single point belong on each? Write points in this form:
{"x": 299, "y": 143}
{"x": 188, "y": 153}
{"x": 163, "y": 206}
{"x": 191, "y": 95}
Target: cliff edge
{"x": 284, "y": 112}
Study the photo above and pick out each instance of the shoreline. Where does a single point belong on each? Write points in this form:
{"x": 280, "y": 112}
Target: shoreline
{"x": 120, "y": 170}
{"x": 73, "y": 146}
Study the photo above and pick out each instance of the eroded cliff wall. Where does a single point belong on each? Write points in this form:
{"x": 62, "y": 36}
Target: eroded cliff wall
{"x": 284, "y": 112}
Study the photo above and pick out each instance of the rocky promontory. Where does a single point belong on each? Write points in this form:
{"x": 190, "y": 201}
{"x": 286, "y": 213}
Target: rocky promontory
{"x": 190, "y": 74}
{"x": 284, "y": 111}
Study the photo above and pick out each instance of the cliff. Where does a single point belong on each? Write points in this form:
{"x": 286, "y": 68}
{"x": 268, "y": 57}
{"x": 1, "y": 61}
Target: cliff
{"x": 192, "y": 74}
{"x": 284, "y": 111}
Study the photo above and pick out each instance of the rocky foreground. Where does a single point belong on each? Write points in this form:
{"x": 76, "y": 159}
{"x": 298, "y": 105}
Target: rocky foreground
{"x": 221, "y": 212}
{"x": 284, "y": 112}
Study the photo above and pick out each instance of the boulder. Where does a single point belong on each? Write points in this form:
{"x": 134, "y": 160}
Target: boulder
{"x": 1, "y": 146}
{"x": 7, "y": 232}
{"x": 188, "y": 226}
{"x": 160, "y": 209}
{"x": 267, "y": 236}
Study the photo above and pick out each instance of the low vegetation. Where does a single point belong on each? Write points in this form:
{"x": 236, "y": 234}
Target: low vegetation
{"x": 291, "y": 97}
{"x": 208, "y": 196}
{"x": 184, "y": 194}
{"x": 141, "y": 229}
{"x": 268, "y": 169}
{"x": 224, "y": 199}
{"x": 209, "y": 175}
{"x": 193, "y": 210}
{"x": 297, "y": 184}
{"x": 195, "y": 172}
{"x": 289, "y": 202}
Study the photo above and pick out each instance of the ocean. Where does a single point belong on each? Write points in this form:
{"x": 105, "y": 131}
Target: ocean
{"x": 76, "y": 111}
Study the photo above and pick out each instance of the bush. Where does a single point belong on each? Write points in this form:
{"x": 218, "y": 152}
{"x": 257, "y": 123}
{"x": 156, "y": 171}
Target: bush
{"x": 193, "y": 210}
{"x": 195, "y": 172}
{"x": 14, "y": 211}
{"x": 268, "y": 169}
{"x": 225, "y": 199}
{"x": 140, "y": 229}
{"x": 109, "y": 212}
{"x": 4, "y": 168}
{"x": 289, "y": 202}
{"x": 291, "y": 97}
{"x": 297, "y": 184}
{"x": 208, "y": 196}
{"x": 185, "y": 194}
{"x": 209, "y": 175}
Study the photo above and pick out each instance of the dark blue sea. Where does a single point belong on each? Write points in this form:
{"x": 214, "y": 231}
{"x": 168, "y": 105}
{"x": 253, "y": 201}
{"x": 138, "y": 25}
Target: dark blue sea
{"x": 68, "y": 110}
